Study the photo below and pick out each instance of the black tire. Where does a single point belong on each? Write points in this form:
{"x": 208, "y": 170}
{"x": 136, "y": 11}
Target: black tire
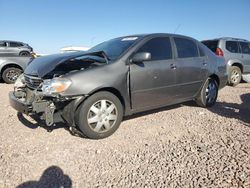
{"x": 11, "y": 74}
{"x": 97, "y": 130}
{"x": 205, "y": 99}
{"x": 24, "y": 53}
{"x": 234, "y": 76}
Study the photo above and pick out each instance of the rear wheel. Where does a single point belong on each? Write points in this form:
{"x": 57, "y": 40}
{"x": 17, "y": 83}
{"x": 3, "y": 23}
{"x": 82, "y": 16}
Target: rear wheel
{"x": 234, "y": 77}
{"x": 11, "y": 74}
{"x": 100, "y": 115}
{"x": 24, "y": 53}
{"x": 208, "y": 94}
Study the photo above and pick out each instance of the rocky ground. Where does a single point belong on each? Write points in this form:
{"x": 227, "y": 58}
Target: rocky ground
{"x": 180, "y": 146}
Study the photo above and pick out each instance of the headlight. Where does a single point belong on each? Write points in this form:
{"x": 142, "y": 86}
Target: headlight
{"x": 55, "y": 85}
{"x": 20, "y": 82}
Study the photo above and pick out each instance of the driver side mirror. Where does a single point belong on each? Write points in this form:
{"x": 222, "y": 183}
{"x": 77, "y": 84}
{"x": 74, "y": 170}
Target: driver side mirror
{"x": 140, "y": 57}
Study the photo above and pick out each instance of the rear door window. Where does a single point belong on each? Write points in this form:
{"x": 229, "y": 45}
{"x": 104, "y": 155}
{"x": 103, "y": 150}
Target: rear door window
{"x": 186, "y": 48}
{"x": 211, "y": 44}
{"x": 160, "y": 48}
{"x": 15, "y": 44}
{"x": 232, "y": 46}
{"x": 245, "y": 47}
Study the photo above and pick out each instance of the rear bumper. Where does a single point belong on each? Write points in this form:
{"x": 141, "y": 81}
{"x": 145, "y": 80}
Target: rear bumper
{"x": 223, "y": 81}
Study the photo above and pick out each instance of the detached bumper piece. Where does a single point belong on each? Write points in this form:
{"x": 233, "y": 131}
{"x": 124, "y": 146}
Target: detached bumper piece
{"x": 20, "y": 106}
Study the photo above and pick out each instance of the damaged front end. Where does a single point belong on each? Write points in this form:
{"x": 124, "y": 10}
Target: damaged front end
{"x": 34, "y": 96}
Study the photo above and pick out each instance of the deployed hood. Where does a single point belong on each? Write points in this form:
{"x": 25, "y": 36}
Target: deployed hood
{"x": 61, "y": 63}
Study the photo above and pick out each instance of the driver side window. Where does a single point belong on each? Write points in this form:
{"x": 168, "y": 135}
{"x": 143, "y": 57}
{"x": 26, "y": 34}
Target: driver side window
{"x": 160, "y": 48}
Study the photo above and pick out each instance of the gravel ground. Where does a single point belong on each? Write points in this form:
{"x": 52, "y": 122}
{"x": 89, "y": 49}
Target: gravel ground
{"x": 180, "y": 146}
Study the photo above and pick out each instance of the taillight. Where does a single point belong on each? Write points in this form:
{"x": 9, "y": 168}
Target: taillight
{"x": 219, "y": 52}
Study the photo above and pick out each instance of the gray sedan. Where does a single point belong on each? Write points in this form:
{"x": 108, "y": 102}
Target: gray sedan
{"x": 92, "y": 91}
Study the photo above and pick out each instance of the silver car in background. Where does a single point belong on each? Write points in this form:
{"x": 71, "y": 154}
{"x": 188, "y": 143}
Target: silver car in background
{"x": 236, "y": 53}
{"x": 12, "y": 67}
{"x": 14, "y": 48}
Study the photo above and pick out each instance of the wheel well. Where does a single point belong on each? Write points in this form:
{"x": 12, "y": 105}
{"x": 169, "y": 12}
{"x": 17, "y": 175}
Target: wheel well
{"x": 216, "y": 78}
{"x": 113, "y": 91}
{"x": 238, "y": 65}
{"x": 10, "y": 66}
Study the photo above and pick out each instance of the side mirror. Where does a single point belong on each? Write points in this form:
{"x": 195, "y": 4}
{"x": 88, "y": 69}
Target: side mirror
{"x": 141, "y": 56}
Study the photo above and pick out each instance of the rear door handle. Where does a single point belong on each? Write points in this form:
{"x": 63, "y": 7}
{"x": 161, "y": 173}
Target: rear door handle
{"x": 173, "y": 66}
{"x": 204, "y": 63}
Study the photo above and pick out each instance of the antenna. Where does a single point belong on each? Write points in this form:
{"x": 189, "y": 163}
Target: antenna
{"x": 178, "y": 26}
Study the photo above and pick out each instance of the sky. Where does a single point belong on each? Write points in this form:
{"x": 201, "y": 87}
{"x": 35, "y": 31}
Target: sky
{"x": 48, "y": 25}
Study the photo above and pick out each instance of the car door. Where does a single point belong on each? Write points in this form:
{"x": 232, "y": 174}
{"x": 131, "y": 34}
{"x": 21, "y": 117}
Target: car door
{"x": 190, "y": 68}
{"x": 14, "y": 48}
{"x": 245, "y": 56}
{"x": 3, "y": 47}
{"x": 151, "y": 82}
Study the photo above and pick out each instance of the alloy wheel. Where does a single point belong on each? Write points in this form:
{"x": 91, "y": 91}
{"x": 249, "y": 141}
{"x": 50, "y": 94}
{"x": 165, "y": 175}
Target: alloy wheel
{"x": 12, "y": 75}
{"x": 211, "y": 92}
{"x": 235, "y": 76}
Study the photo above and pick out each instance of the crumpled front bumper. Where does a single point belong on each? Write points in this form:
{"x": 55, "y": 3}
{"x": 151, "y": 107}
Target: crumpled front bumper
{"x": 51, "y": 110}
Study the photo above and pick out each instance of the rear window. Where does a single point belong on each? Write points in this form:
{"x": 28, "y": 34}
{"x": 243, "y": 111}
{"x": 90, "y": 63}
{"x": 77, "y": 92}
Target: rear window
{"x": 186, "y": 48}
{"x": 245, "y": 47}
{"x": 232, "y": 46}
{"x": 211, "y": 44}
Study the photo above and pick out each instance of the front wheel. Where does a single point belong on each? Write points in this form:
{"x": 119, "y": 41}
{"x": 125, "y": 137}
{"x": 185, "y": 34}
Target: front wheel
{"x": 11, "y": 74}
{"x": 100, "y": 115}
{"x": 208, "y": 94}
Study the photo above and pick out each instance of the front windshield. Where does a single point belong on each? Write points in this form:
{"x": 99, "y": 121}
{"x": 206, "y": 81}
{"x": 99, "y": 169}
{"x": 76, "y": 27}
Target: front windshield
{"x": 116, "y": 47}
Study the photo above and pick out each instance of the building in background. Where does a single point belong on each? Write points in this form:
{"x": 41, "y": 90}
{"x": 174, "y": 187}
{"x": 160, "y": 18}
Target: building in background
{"x": 73, "y": 49}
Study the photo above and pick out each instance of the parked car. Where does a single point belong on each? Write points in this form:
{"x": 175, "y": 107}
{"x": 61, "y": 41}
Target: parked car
{"x": 92, "y": 91}
{"x": 14, "y": 48}
{"x": 12, "y": 67}
{"x": 237, "y": 55}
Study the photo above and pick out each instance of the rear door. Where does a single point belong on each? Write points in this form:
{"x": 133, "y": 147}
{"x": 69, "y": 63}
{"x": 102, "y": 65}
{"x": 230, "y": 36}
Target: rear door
{"x": 245, "y": 55}
{"x": 14, "y": 48}
{"x": 152, "y": 82}
{"x": 191, "y": 67}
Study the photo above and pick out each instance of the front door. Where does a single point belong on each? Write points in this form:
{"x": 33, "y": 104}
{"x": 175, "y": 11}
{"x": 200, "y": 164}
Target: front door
{"x": 152, "y": 82}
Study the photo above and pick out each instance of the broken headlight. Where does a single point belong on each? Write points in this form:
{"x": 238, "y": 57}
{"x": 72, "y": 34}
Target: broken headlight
{"x": 55, "y": 85}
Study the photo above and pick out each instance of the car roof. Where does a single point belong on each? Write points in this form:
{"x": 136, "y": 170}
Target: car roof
{"x": 228, "y": 38}
{"x": 157, "y": 35}
{"x": 11, "y": 41}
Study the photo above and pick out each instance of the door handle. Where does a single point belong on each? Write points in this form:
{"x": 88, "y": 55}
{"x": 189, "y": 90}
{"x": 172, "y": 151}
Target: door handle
{"x": 204, "y": 63}
{"x": 173, "y": 66}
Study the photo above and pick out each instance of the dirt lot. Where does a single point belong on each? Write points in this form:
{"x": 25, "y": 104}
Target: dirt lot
{"x": 180, "y": 146}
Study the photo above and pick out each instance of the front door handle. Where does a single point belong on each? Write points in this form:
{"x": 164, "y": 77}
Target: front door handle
{"x": 173, "y": 66}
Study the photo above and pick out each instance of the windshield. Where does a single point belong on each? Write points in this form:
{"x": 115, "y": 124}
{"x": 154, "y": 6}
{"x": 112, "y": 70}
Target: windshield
{"x": 116, "y": 47}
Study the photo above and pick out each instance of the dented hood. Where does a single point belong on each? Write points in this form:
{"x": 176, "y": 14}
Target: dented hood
{"x": 43, "y": 65}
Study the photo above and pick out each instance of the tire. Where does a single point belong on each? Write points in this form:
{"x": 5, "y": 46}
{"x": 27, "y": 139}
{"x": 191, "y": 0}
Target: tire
{"x": 234, "y": 76}
{"x": 24, "y": 53}
{"x": 95, "y": 123}
{"x": 208, "y": 94}
{"x": 11, "y": 74}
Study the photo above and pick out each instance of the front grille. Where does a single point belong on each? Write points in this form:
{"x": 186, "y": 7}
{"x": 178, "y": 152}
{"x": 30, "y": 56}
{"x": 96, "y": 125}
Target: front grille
{"x": 33, "y": 82}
